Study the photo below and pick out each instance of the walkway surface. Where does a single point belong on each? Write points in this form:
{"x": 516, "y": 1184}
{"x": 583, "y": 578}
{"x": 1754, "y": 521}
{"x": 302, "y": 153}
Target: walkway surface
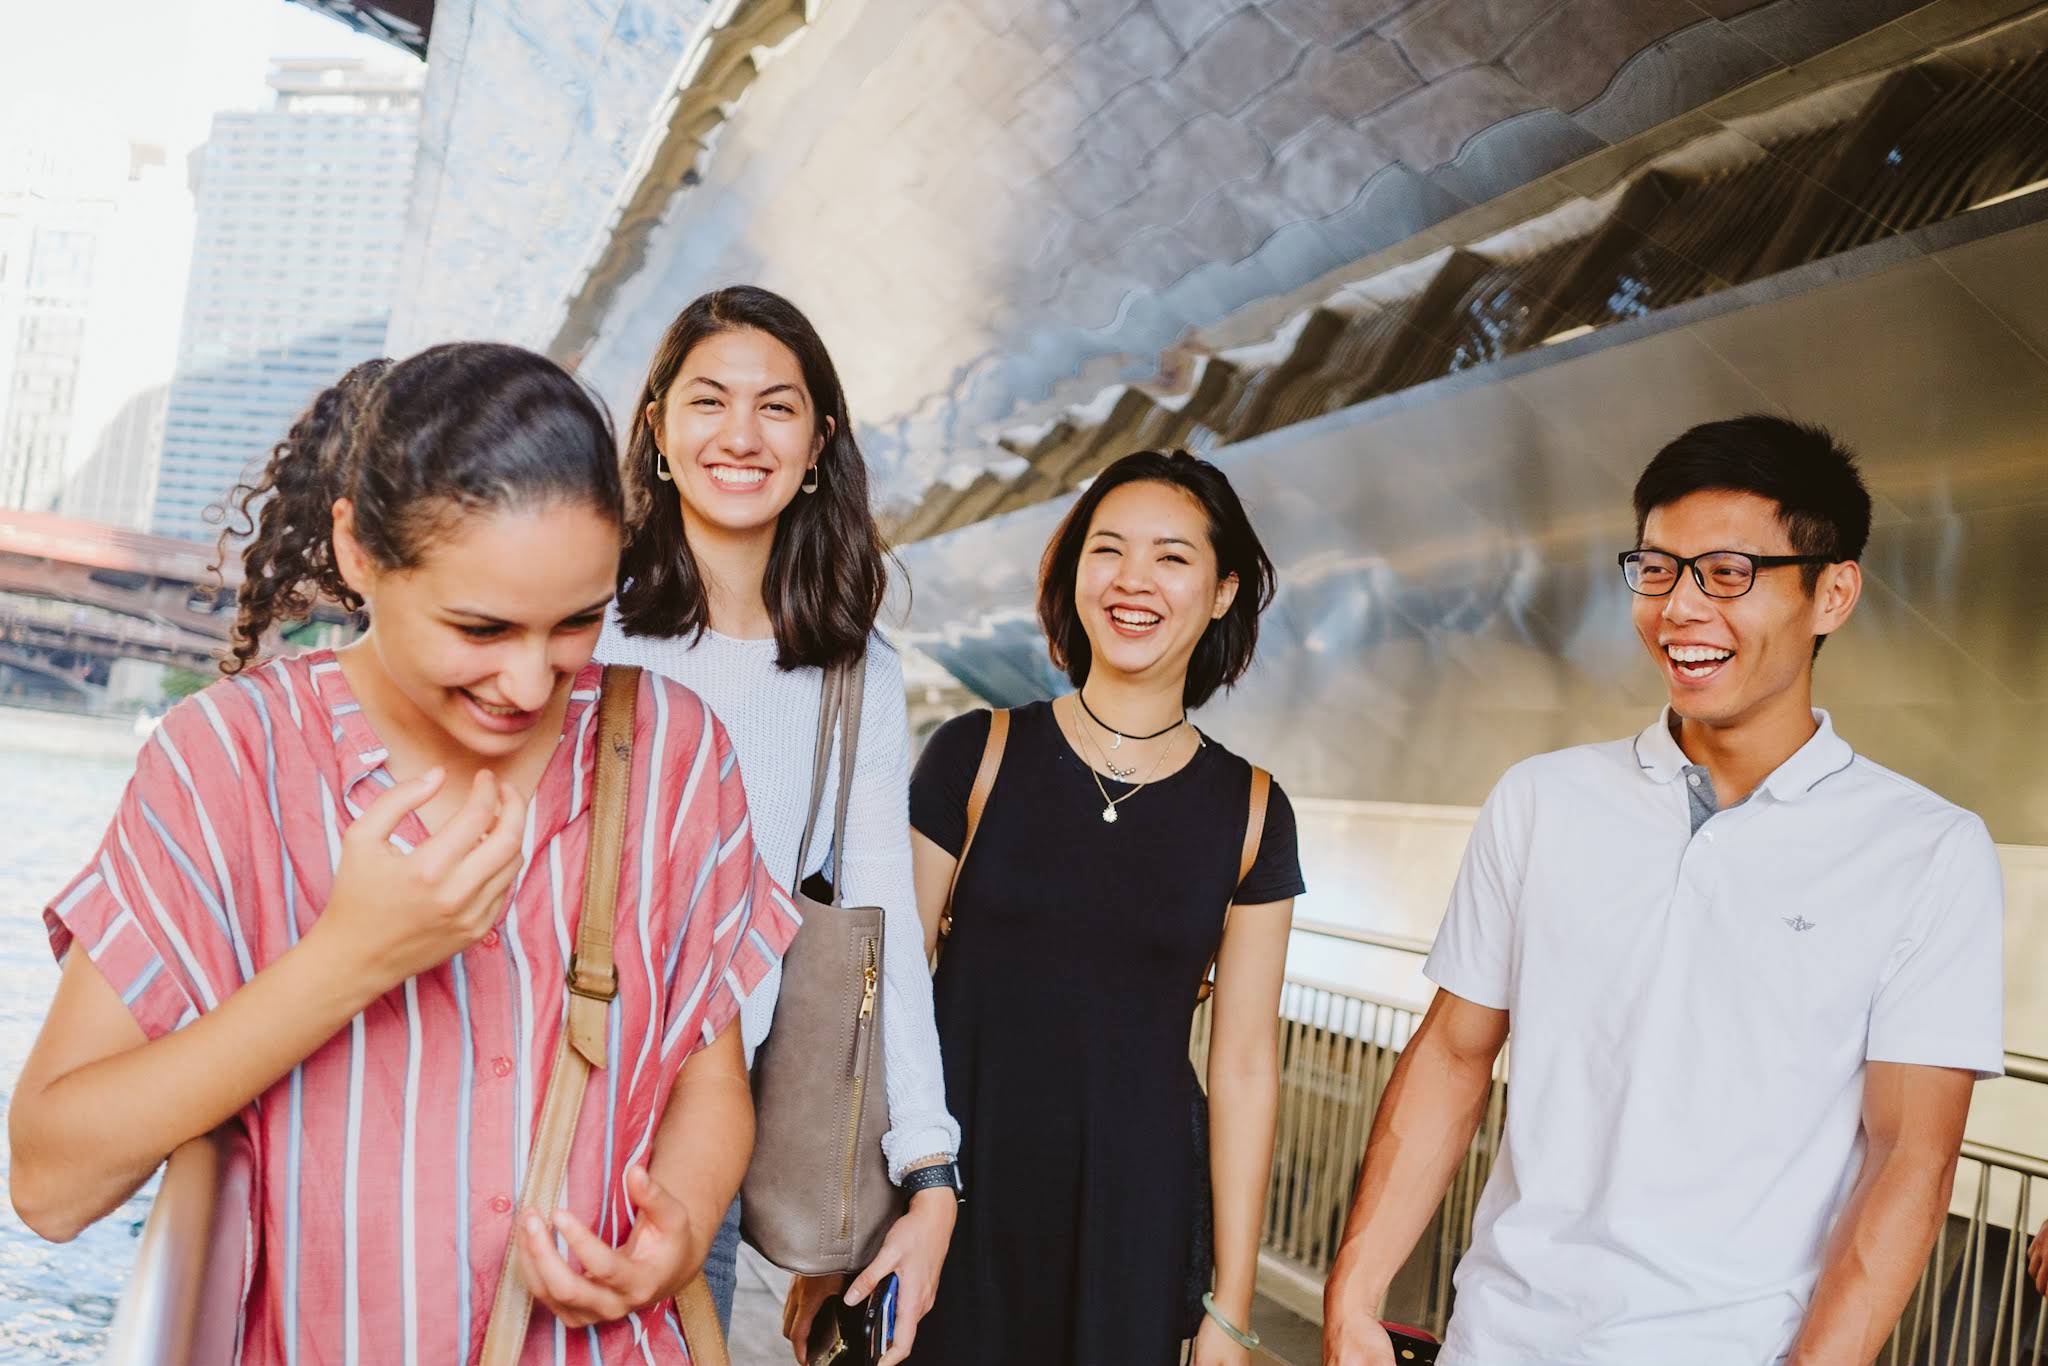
{"x": 757, "y": 1322}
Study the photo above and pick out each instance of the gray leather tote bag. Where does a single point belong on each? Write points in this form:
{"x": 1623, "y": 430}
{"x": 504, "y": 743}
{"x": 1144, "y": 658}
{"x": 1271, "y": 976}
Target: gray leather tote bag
{"x": 817, "y": 1197}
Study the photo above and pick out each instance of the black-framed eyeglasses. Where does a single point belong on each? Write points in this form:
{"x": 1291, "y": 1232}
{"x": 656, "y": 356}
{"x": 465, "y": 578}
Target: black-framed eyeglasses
{"x": 1719, "y": 573}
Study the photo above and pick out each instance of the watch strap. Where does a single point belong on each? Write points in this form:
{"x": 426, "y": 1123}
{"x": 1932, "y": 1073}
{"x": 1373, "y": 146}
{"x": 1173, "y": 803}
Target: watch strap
{"x": 939, "y": 1175}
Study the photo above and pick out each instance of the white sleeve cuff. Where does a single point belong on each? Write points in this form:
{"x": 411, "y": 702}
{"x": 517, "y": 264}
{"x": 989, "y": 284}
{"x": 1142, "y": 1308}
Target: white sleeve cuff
{"x": 903, "y": 1146}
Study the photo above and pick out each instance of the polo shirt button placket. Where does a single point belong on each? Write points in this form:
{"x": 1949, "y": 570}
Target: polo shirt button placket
{"x": 500, "y": 1205}
{"x": 502, "y": 1066}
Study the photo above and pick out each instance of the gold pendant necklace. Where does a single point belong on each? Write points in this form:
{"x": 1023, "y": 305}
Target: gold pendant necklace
{"x": 1109, "y": 803}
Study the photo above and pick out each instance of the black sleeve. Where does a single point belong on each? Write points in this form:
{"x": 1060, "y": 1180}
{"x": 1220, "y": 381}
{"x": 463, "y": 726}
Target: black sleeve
{"x": 944, "y": 777}
{"x": 1276, "y": 870}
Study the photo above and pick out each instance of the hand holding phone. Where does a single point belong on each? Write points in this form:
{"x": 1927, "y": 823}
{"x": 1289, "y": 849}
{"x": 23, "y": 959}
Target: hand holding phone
{"x": 854, "y": 1335}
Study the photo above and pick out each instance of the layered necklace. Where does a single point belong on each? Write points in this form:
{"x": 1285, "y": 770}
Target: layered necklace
{"x": 1121, "y": 774}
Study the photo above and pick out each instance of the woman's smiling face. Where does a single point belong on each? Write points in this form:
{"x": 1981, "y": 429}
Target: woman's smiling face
{"x": 739, "y": 430}
{"x": 494, "y": 621}
{"x": 1146, "y": 586}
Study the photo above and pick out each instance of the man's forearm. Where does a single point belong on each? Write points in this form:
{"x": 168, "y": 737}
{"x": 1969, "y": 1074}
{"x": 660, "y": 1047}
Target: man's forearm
{"x": 1425, "y": 1122}
{"x": 1875, "y": 1256}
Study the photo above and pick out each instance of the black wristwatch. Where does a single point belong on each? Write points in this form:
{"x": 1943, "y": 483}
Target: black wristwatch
{"x": 939, "y": 1174}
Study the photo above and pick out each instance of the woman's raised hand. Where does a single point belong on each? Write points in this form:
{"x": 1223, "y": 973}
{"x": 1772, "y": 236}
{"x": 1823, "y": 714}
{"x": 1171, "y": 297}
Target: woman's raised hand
{"x": 399, "y": 914}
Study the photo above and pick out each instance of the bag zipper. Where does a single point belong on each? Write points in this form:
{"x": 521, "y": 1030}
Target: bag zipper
{"x": 863, "y": 1024}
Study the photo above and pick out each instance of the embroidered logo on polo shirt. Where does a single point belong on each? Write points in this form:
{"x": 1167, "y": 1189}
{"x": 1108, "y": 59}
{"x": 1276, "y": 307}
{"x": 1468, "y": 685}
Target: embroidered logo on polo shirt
{"x": 1799, "y": 924}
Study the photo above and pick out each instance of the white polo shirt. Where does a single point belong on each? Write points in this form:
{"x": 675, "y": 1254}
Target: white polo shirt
{"x": 1691, "y": 1014}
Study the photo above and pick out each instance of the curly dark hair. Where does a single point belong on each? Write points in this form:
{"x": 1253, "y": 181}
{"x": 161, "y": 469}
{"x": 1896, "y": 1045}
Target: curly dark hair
{"x": 827, "y": 568}
{"x": 413, "y": 445}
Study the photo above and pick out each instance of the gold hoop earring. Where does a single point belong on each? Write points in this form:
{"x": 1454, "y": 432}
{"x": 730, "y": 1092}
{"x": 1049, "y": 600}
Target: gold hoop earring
{"x": 661, "y": 469}
{"x": 811, "y": 480}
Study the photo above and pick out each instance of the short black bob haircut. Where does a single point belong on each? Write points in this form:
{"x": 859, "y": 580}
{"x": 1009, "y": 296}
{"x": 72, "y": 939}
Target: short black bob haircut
{"x": 1225, "y": 649}
{"x": 1822, "y": 503}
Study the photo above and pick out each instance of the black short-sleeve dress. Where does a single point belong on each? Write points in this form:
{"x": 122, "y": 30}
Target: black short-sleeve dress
{"x": 1064, "y": 1001}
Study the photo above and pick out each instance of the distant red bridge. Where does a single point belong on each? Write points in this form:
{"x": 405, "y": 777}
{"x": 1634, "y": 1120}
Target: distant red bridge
{"x": 182, "y": 609}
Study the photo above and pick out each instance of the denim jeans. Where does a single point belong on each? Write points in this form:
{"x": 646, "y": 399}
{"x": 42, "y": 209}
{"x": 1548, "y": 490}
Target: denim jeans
{"x": 721, "y": 1267}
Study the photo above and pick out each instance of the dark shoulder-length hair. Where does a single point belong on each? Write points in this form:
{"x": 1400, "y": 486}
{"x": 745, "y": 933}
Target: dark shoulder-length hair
{"x": 827, "y": 569}
{"x": 1226, "y": 647}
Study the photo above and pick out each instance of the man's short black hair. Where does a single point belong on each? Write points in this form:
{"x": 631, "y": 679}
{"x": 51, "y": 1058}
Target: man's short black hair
{"x": 1822, "y": 503}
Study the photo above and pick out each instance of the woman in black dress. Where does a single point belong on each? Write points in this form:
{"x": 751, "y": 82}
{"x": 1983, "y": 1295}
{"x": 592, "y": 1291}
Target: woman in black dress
{"x": 1104, "y": 877}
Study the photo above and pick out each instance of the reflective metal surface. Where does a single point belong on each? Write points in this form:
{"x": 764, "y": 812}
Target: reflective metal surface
{"x": 535, "y": 114}
{"x": 1730, "y": 195}
{"x": 402, "y": 23}
{"x": 183, "y": 1301}
{"x": 1449, "y": 602}
{"x": 994, "y": 208}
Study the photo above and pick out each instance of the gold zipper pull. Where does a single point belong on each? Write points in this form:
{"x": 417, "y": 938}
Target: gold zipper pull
{"x": 868, "y": 975}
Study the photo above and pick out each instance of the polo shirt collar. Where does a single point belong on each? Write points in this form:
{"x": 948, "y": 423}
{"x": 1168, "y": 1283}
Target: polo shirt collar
{"x": 1820, "y": 758}
{"x": 1813, "y": 763}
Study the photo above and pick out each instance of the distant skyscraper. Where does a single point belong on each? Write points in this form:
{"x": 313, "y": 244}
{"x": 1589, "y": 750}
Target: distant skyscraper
{"x": 294, "y": 263}
{"x": 58, "y": 197}
{"x": 116, "y": 482}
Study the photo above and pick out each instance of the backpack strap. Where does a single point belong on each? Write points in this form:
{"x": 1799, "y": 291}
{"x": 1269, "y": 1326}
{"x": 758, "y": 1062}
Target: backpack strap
{"x": 1254, "y": 833}
{"x": 977, "y": 800}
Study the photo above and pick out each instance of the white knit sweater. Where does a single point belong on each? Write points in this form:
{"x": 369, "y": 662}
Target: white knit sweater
{"x": 772, "y": 718}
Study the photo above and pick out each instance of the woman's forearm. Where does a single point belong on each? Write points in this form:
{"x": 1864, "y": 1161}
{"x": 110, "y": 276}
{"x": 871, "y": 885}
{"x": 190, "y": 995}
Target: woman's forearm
{"x": 85, "y": 1136}
{"x": 1244, "y": 1104}
{"x": 706, "y": 1137}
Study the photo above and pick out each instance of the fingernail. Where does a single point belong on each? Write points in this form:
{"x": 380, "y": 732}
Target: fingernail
{"x": 533, "y": 1223}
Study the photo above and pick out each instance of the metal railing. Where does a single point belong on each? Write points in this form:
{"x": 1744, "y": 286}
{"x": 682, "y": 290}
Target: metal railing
{"x": 1975, "y": 1305}
{"x": 183, "y": 1301}
{"x": 1975, "y": 1302}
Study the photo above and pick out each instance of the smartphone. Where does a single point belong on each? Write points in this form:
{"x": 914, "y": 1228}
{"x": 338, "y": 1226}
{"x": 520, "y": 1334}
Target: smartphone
{"x": 857, "y": 1334}
{"x": 881, "y": 1319}
{"x": 1411, "y": 1348}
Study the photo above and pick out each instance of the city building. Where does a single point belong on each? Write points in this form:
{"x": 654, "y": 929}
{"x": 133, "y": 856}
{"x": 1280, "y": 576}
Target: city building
{"x": 59, "y": 196}
{"x": 301, "y": 220}
{"x": 115, "y": 484}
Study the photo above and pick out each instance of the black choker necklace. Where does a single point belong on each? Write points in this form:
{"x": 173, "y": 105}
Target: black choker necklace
{"x": 1118, "y": 743}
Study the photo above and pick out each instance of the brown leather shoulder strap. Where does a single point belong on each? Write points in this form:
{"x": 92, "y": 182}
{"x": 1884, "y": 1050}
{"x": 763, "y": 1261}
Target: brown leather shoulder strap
{"x": 977, "y": 800}
{"x": 1254, "y": 833}
{"x": 592, "y": 983}
{"x": 592, "y": 979}
{"x": 1255, "y": 825}
{"x": 829, "y": 692}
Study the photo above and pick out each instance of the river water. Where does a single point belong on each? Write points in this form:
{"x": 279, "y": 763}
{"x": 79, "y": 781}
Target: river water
{"x": 57, "y": 792}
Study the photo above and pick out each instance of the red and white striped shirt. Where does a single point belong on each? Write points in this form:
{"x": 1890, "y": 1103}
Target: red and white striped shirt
{"x": 389, "y": 1163}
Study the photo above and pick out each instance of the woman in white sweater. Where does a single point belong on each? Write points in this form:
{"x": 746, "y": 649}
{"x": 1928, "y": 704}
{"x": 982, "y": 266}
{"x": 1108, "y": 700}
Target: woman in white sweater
{"x": 754, "y": 563}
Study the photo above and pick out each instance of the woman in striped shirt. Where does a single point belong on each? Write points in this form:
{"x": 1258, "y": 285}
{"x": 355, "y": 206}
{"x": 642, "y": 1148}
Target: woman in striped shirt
{"x": 337, "y": 900}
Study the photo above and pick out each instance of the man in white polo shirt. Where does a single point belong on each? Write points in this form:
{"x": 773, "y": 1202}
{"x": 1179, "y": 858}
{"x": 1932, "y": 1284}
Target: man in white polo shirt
{"x": 1751, "y": 976}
